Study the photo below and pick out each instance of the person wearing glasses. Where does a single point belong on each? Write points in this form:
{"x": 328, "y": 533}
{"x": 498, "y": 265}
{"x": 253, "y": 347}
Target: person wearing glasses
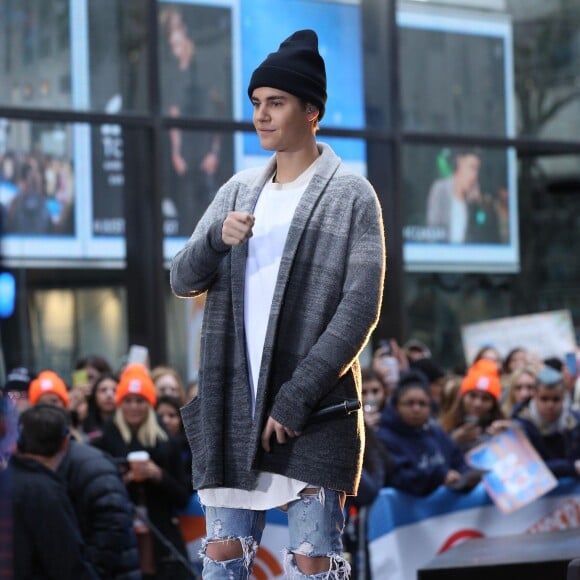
{"x": 422, "y": 455}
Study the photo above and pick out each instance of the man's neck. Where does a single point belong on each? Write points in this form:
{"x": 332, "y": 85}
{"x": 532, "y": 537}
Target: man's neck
{"x": 48, "y": 462}
{"x": 186, "y": 57}
{"x": 290, "y": 165}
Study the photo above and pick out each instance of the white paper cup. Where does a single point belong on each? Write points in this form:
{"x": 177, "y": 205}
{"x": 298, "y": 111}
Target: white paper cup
{"x": 135, "y": 459}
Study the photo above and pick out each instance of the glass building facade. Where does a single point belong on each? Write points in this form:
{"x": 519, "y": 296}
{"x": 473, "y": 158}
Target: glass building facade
{"x": 119, "y": 119}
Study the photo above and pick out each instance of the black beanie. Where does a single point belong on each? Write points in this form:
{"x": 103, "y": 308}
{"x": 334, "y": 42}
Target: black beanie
{"x": 296, "y": 68}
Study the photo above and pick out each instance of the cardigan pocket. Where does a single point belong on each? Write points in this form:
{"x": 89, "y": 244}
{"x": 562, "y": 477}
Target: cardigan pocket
{"x": 191, "y": 417}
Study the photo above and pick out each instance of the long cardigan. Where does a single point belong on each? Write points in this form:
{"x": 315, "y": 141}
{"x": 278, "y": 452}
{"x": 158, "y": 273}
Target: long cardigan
{"x": 326, "y": 303}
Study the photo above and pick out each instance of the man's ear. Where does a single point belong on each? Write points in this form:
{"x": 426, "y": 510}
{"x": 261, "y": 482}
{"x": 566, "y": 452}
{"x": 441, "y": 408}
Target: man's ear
{"x": 65, "y": 443}
{"x": 312, "y": 112}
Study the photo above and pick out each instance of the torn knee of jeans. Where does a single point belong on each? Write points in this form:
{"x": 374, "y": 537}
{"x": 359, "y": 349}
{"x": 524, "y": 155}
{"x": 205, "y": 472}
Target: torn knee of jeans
{"x": 313, "y": 493}
{"x": 338, "y": 567}
{"x": 248, "y": 544}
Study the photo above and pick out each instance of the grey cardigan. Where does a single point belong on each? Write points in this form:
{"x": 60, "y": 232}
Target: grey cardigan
{"x": 326, "y": 303}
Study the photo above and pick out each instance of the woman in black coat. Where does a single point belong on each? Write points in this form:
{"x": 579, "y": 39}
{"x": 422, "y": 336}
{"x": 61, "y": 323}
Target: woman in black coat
{"x": 156, "y": 484}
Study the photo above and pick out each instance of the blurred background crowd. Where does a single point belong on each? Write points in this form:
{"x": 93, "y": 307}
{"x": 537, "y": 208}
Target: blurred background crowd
{"x": 125, "y": 473}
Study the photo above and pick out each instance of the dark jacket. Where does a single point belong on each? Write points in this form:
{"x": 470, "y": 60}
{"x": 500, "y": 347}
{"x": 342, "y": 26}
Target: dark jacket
{"x": 559, "y": 449}
{"x": 376, "y": 471}
{"x": 420, "y": 457}
{"x": 47, "y": 542}
{"x": 325, "y": 305}
{"x": 163, "y": 499}
{"x": 103, "y": 510}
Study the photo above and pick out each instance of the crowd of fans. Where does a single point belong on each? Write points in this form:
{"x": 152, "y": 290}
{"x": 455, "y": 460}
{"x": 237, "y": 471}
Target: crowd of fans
{"x": 422, "y": 419}
{"x": 427, "y": 418}
{"x": 79, "y": 442}
{"x": 97, "y": 470}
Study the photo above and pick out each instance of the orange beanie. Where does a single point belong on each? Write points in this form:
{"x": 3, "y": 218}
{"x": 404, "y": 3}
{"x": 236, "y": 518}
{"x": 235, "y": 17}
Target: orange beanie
{"x": 135, "y": 380}
{"x": 482, "y": 376}
{"x": 47, "y": 382}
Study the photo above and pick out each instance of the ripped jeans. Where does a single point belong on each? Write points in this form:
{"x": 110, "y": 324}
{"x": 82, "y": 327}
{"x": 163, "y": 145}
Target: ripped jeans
{"x": 315, "y": 524}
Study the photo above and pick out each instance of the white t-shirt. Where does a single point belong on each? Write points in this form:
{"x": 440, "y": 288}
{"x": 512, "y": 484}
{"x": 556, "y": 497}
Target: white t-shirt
{"x": 458, "y": 221}
{"x": 273, "y": 214}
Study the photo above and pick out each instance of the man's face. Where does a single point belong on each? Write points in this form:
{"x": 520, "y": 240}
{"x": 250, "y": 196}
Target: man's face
{"x": 280, "y": 120}
{"x": 549, "y": 402}
{"x": 177, "y": 42}
{"x": 467, "y": 171}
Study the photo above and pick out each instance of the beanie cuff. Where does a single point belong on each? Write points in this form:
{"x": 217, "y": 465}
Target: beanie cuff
{"x": 291, "y": 81}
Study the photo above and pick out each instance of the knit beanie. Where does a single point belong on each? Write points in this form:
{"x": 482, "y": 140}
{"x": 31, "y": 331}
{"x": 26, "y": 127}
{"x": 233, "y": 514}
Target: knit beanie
{"x": 135, "y": 380}
{"x": 482, "y": 376}
{"x": 296, "y": 68}
{"x": 47, "y": 382}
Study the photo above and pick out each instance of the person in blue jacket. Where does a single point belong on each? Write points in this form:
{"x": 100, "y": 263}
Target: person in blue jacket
{"x": 422, "y": 455}
{"x": 551, "y": 426}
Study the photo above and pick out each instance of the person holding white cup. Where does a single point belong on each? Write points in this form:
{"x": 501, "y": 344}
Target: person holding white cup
{"x": 153, "y": 472}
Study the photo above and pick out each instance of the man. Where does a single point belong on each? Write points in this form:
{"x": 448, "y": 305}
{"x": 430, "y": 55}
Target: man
{"x": 46, "y": 540}
{"x": 292, "y": 260}
{"x": 552, "y": 427}
{"x": 99, "y": 498}
{"x": 450, "y": 198}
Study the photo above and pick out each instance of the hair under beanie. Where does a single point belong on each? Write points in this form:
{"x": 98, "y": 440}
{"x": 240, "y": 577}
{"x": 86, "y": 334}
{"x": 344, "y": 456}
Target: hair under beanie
{"x": 47, "y": 382}
{"x": 135, "y": 380}
{"x": 482, "y": 376}
{"x": 296, "y": 68}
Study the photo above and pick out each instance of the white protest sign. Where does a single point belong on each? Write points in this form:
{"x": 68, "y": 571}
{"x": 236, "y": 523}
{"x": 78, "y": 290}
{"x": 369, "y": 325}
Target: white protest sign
{"x": 546, "y": 334}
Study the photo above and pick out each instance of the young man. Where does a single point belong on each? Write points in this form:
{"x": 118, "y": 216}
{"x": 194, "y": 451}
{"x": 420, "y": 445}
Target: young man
{"x": 450, "y": 198}
{"x": 292, "y": 259}
{"x": 552, "y": 427}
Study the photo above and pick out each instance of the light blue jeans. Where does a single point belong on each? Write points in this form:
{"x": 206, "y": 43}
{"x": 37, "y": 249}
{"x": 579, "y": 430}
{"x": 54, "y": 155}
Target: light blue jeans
{"x": 315, "y": 524}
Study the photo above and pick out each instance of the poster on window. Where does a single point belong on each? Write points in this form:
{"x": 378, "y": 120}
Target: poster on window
{"x": 196, "y": 81}
{"x": 459, "y": 202}
{"x": 38, "y": 190}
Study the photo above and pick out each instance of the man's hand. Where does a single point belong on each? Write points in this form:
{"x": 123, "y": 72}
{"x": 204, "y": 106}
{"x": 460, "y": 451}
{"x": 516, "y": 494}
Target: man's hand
{"x": 272, "y": 426}
{"x": 179, "y": 164}
{"x": 237, "y": 228}
{"x": 209, "y": 163}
